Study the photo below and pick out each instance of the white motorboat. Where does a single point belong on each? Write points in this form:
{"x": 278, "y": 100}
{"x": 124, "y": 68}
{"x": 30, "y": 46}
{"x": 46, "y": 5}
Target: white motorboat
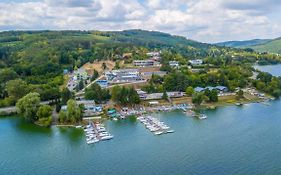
{"x": 202, "y": 116}
{"x": 92, "y": 141}
{"x": 170, "y": 131}
{"x": 108, "y": 137}
{"x": 158, "y": 132}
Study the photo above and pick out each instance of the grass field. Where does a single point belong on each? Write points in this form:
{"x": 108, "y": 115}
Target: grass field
{"x": 90, "y": 67}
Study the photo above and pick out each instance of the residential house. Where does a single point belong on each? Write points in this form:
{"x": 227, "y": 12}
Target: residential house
{"x": 196, "y": 62}
{"x": 153, "y": 96}
{"x": 145, "y": 63}
{"x": 90, "y": 108}
{"x": 218, "y": 88}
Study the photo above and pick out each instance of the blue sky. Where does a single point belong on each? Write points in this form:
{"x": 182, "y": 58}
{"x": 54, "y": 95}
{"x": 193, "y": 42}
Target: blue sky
{"x": 202, "y": 20}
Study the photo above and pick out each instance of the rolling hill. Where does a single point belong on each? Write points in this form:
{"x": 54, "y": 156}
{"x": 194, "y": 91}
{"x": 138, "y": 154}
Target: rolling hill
{"x": 243, "y": 44}
{"x": 273, "y": 46}
{"x": 259, "y": 45}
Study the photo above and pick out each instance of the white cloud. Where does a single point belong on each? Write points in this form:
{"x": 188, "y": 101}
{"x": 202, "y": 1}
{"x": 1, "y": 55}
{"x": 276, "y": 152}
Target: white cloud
{"x": 203, "y": 20}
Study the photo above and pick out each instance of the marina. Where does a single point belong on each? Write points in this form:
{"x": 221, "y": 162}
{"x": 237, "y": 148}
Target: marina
{"x": 125, "y": 111}
{"x": 154, "y": 125}
{"x": 96, "y": 132}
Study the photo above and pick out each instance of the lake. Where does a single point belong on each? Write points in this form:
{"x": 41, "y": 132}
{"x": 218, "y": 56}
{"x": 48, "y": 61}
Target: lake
{"x": 273, "y": 69}
{"x": 233, "y": 140}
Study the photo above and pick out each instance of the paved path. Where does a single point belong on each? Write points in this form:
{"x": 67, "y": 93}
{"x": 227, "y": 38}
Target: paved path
{"x": 82, "y": 91}
{"x": 11, "y": 109}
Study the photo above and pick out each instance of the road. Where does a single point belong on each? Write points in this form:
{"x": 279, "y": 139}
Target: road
{"x": 125, "y": 84}
{"x": 81, "y": 92}
{"x": 11, "y": 109}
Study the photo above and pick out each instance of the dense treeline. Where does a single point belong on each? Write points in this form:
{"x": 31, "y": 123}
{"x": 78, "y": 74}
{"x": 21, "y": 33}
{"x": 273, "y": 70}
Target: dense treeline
{"x": 125, "y": 96}
{"x": 95, "y": 92}
{"x": 269, "y": 84}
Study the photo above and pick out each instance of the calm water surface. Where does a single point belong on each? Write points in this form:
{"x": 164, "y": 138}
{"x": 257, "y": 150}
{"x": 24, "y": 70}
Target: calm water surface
{"x": 233, "y": 140}
{"x": 273, "y": 69}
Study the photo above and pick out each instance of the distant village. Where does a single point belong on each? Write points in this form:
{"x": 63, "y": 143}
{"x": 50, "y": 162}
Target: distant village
{"x": 137, "y": 74}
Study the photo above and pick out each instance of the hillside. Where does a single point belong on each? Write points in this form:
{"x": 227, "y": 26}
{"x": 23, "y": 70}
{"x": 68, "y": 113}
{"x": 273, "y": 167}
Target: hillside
{"x": 273, "y": 46}
{"x": 243, "y": 44}
{"x": 37, "y": 58}
{"x": 259, "y": 45}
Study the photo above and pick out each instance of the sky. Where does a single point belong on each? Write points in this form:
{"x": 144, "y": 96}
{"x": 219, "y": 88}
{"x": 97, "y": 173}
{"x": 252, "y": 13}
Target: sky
{"x": 202, "y": 20}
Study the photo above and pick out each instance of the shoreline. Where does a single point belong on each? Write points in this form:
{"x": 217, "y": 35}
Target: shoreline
{"x": 164, "y": 108}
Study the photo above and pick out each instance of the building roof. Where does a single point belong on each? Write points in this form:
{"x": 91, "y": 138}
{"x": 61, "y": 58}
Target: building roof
{"x": 86, "y": 102}
{"x": 199, "y": 89}
{"x": 220, "y": 88}
{"x": 197, "y": 61}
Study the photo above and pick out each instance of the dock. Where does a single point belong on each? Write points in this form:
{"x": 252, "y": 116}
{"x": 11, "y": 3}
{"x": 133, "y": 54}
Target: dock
{"x": 96, "y": 132}
{"x": 154, "y": 125}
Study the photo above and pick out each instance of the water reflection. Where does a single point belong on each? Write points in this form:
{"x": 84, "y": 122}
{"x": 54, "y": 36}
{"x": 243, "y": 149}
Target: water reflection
{"x": 71, "y": 134}
{"x": 27, "y": 127}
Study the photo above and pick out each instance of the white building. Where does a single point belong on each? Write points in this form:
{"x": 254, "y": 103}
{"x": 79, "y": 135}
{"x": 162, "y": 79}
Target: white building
{"x": 123, "y": 76}
{"x": 80, "y": 74}
{"x": 144, "y": 63}
{"x": 76, "y": 77}
{"x": 196, "y": 62}
{"x": 174, "y": 63}
{"x": 153, "y": 54}
{"x": 154, "y": 96}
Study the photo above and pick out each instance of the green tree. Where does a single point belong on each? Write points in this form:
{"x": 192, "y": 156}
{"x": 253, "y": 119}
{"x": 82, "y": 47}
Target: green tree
{"x": 156, "y": 79}
{"x": 197, "y": 98}
{"x": 123, "y": 95}
{"x": 95, "y": 92}
{"x": 213, "y": 96}
{"x": 95, "y": 75}
{"x": 44, "y": 111}
{"x": 73, "y": 111}
{"x": 117, "y": 65}
{"x": 7, "y": 74}
{"x": 176, "y": 81}
{"x": 80, "y": 85}
{"x": 103, "y": 66}
{"x": 166, "y": 67}
{"x": 165, "y": 95}
{"x": 44, "y": 114}
{"x": 276, "y": 93}
{"x": 115, "y": 91}
{"x": 66, "y": 95}
{"x": 45, "y": 121}
{"x": 239, "y": 94}
{"x": 264, "y": 77}
{"x": 133, "y": 96}
{"x": 17, "y": 88}
{"x": 28, "y": 106}
{"x": 189, "y": 91}
{"x": 62, "y": 116}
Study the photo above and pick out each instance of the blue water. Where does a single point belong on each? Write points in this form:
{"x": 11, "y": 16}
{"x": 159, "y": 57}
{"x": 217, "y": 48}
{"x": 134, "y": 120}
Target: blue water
{"x": 233, "y": 140}
{"x": 273, "y": 69}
